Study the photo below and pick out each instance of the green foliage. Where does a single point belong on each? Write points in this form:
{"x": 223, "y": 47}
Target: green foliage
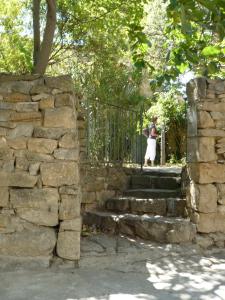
{"x": 102, "y": 45}
{"x": 169, "y": 108}
{"x": 15, "y": 47}
{"x": 195, "y": 32}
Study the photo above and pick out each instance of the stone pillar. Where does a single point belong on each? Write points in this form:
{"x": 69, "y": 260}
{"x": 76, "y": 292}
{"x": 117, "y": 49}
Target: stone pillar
{"x": 39, "y": 174}
{"x": 206, "y": 155}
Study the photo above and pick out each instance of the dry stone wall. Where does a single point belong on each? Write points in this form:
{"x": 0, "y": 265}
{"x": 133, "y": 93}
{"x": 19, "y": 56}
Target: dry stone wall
{"x": 206, "y": 159}
{"x": 102, "y": 182}
{"x": 39, "y": 172}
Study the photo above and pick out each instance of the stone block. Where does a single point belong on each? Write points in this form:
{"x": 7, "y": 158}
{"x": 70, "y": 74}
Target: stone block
{"x": 88, "y": 197}
{"x": 9, "y": 125}
{"x": 68, "y": 245}
{"x": 17, "y": 143}
{"x": 196, "y": 89}
{"x": 220, "y": 87}
{"x": 212, "y": 222}
{"x": 3, "y": 143}
{"x": 41, "y": 145}
{"x": 68, "y": 141}
{"x": 38, "y": 206}
{"x": 26, "y": 107}
{"x": 220, "y": 124}
{"x": 7, "y": 106}
{"x": 205, "y": 120}
{"x": 34, "y": 168}
{"x": 69, "y": 190}
{"x": 66, "y": 154}
{"x": 40, "y": 97}
{"x": 34, "y": 156}
{"x": 19, "y": 179}
{"x": 4, "y": 197}
{"x": 8, "y": 165}
{"x": 204, "y": 197}
{"x": 71, "y": 225}
{"x": 95, "y": 185}
{"x": 5, "y": 115}
{"x": 22, "y": 163}
{"x": 69, "y": 207}
{"x": 36, "y": 241}
{"x": 64, "y": 100}
{"x": 207, "y": 223}
{"x": 221, "y": 193}
{"x": 201, "y": 149}
{"x": 211, "y": 132}
{"x": 47, "y": 103}
{"x": 6, "y": 153}
{"x": 60, "y": 117}
{"x": 63, "y": 83}
{"x": 17, "y": 97}
{"x": 3, "y": 131}
{"x": 104, "y": 195}
{"x": 7, "y": 224}
{"x": 59, "y": 173}
{"x": 205, "y": 173}
{"x": 49, "y": 133}
{"x": 38, "y": 89}
{"x": 212, "y": 107}
{"x": 216, "y": 115}
{"x": 21, "y": 130}
{"x": 33, "y": 117}
{"x": 204, "y": 241}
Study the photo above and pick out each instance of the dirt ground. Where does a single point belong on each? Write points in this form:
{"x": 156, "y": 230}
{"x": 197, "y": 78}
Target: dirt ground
{"x": 118, "y": 268}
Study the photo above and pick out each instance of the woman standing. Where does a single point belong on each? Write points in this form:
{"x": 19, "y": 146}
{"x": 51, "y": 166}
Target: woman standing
{"x": 151, "y": 143}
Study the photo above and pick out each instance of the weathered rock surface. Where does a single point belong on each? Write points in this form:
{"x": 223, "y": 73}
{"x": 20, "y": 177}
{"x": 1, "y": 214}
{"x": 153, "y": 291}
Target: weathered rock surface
{"x": 69, "y": 207}
{"x": 68, "y": 245}
{"x": 59, "y": 173}
{"x": 60, "y": 117}
{"x": 19, "y": 179}
{"x": 36, "y": 114}
{"x": 42, "y": 145}
{"x": 35, "y": 241}
{"x": 39, "y": 206}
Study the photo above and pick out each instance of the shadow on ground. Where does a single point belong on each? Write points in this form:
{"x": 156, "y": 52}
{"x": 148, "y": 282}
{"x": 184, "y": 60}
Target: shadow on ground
{"x": 113, "y": 269}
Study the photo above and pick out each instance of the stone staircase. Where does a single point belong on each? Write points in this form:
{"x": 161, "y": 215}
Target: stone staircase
{"x": 153, "y": 208}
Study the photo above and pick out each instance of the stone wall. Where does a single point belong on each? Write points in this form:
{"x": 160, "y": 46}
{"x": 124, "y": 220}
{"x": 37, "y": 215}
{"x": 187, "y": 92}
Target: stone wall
{"x": 39, "y": 173}
{"x": 206, "y": 159}
{"x": 102, "y": 182}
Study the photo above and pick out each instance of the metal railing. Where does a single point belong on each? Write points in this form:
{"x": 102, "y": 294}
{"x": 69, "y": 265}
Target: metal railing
{"x": 113, "y": 134}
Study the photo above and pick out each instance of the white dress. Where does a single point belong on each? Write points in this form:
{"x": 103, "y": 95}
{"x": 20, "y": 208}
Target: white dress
{"x": 151, "y": 145}
{"x": 151, "y": 149}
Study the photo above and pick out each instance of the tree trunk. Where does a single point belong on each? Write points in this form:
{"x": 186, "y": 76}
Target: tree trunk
{"x": 163, "y": 147}
{"x": 44, "y": 52}
{"x": 36, "y": 29}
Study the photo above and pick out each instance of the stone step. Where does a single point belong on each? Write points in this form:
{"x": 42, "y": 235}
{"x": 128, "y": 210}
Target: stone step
{"x": 174, "y": 207}
{"x": 155, "y": 182}
{"x": 155, "y": 228}
{"x": 152, "y": 193}
{"x": 162, "y": 172}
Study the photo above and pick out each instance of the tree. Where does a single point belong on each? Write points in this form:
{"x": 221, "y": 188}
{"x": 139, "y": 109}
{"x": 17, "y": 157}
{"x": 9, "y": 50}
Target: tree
{"x": 15, "y": 46}
{"x": 195, "y": 31}
{"x": 42, "y": 50}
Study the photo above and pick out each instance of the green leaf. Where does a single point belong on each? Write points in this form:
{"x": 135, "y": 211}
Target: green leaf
{"x": 212, "y": 67}
{"x": 182, "y": 67}
{"x": 211, "y": 51}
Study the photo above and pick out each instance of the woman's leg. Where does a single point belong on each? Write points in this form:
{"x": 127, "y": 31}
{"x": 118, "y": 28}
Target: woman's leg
{"x": 152, "y": 153}
{"x": 147, "y": 153}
